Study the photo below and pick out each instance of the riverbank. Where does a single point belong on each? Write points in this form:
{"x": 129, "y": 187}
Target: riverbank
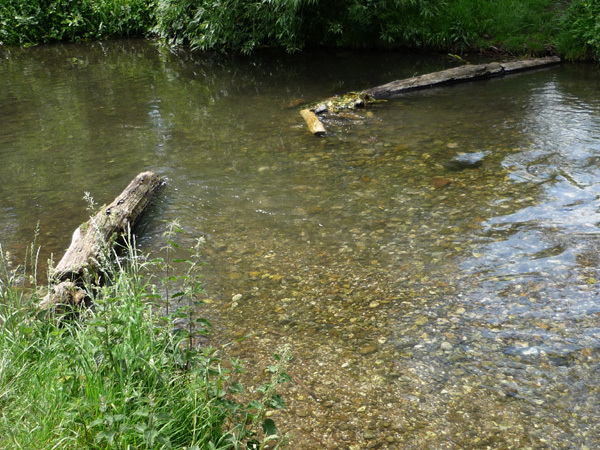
{"x": 133, "y": 375}
{"x": 516, "y": 27}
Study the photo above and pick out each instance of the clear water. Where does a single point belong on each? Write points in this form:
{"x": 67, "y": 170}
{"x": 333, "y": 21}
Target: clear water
{"x": 459, "y": 316}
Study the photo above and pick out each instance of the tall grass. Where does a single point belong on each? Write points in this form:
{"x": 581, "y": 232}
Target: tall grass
{"x": 580, "y": 38}
{"x": 515, "y": 26}
{"x": 120, "y": 377}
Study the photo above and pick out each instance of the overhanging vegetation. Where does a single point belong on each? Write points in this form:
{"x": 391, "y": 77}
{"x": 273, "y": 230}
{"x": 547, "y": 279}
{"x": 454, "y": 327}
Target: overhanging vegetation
{"x": 515, "y": 26}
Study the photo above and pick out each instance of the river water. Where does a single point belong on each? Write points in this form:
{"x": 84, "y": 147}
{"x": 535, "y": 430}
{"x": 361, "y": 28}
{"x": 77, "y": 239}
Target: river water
{"x": 427, "y": 304}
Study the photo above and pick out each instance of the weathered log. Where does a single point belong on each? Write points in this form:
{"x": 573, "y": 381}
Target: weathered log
{"x": 90, "y": 240}
{"x": 528, "y": 64}
{"x": 395, "y": 88}
{"x": 315, "y": 126}
{"x": 456, "y": 75}
{"x": 63, "y": 297}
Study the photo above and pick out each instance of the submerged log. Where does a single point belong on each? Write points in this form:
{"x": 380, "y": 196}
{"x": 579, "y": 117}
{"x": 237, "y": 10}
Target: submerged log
{"x": 457, "y": 75}
{"x": 315, "y": 126}
{"x": 91, "y": 239}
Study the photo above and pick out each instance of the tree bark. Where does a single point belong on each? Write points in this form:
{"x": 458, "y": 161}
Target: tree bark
{"x": 91, "y": 239}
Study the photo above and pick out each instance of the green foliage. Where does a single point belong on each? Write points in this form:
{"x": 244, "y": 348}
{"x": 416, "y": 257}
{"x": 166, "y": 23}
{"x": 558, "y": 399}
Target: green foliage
{"x": 455, "y": 25}
{"x": 580, "y": 38}
{"x": 291, "y": 24}
{"x": 25, "y": 22}
{"x": 232, "y": 24}
{"x": 122, "y": 377}
{"x": 515, "y": 26}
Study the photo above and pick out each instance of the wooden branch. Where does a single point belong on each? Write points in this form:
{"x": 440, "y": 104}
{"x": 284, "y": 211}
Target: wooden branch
{"x": 456, "y": 75}
{"x": 90, "y": 240}
{"x": 315, "y": 126}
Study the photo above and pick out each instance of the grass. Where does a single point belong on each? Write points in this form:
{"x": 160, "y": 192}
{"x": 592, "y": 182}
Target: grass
{"x": 514, "y": 26}
{"x": 121, "y": 376}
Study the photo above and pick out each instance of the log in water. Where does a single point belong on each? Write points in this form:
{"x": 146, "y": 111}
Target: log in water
{"x": 315, "y": 126}
{"x": 91, "y": 238}
{"x": 456, "y": 75}
{"x": 469, "y": 72}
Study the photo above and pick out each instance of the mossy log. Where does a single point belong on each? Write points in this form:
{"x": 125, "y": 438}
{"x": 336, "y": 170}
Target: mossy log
{"x": 459, "y": 74}
{"x": 456, "y": 75}
{"x": 90, "y": 240}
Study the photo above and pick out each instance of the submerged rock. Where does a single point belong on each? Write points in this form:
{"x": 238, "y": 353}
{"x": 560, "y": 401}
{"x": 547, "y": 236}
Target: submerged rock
{"x": 440, "y": 182}
{"x": 466, "y": 160}
{"x": 320, "y": 109}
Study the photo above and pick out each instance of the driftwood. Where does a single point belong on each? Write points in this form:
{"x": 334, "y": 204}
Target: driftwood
{"x": 90, "y": 240}
{"x": 395, "y": 88}
{"x": 456, "y": 75}
{"x": 315, "y": 126}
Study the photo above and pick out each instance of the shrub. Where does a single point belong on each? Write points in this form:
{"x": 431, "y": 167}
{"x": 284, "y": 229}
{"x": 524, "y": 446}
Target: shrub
{"x": 291, "y": 24}
{"x": 25, "y": 22}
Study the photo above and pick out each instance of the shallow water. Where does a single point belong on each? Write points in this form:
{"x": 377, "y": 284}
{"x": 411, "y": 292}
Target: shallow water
{"x": 458, "y": 316}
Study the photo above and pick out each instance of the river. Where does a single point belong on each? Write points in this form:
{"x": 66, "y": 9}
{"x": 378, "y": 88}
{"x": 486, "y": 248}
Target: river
{"x": 427, "y": 305}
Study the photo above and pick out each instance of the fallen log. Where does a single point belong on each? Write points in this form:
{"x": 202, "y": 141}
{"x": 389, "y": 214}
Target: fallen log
{"x": 315, "y": 126}
{"x": 528, "y": 64}
{"x": 81, "y": 261}
{"x": 396, "y": 88}
{"x": 456, "y": 75}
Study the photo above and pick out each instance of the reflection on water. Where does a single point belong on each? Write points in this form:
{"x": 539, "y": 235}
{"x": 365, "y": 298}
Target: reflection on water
{"x": 427, "y": 305}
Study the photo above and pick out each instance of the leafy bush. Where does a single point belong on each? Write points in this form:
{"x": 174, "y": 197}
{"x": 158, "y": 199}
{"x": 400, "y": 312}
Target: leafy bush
{"x": 231, "y": 24}
{"x": 24, "y": 22}
{"x": 456, "y": 25}
{"x": 516, "y": 26}
{"x": 291, "y": 24}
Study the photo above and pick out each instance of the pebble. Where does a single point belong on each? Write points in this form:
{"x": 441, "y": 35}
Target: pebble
{"x": 440, "y": 182}
{"x": 368, "y": 349}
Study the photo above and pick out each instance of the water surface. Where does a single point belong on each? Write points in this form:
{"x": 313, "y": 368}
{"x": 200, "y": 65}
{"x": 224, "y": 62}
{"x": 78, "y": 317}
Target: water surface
{"x": 458, "y": 316}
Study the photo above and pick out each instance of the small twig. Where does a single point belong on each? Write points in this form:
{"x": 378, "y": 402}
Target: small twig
{"x": 300, "y": 383}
